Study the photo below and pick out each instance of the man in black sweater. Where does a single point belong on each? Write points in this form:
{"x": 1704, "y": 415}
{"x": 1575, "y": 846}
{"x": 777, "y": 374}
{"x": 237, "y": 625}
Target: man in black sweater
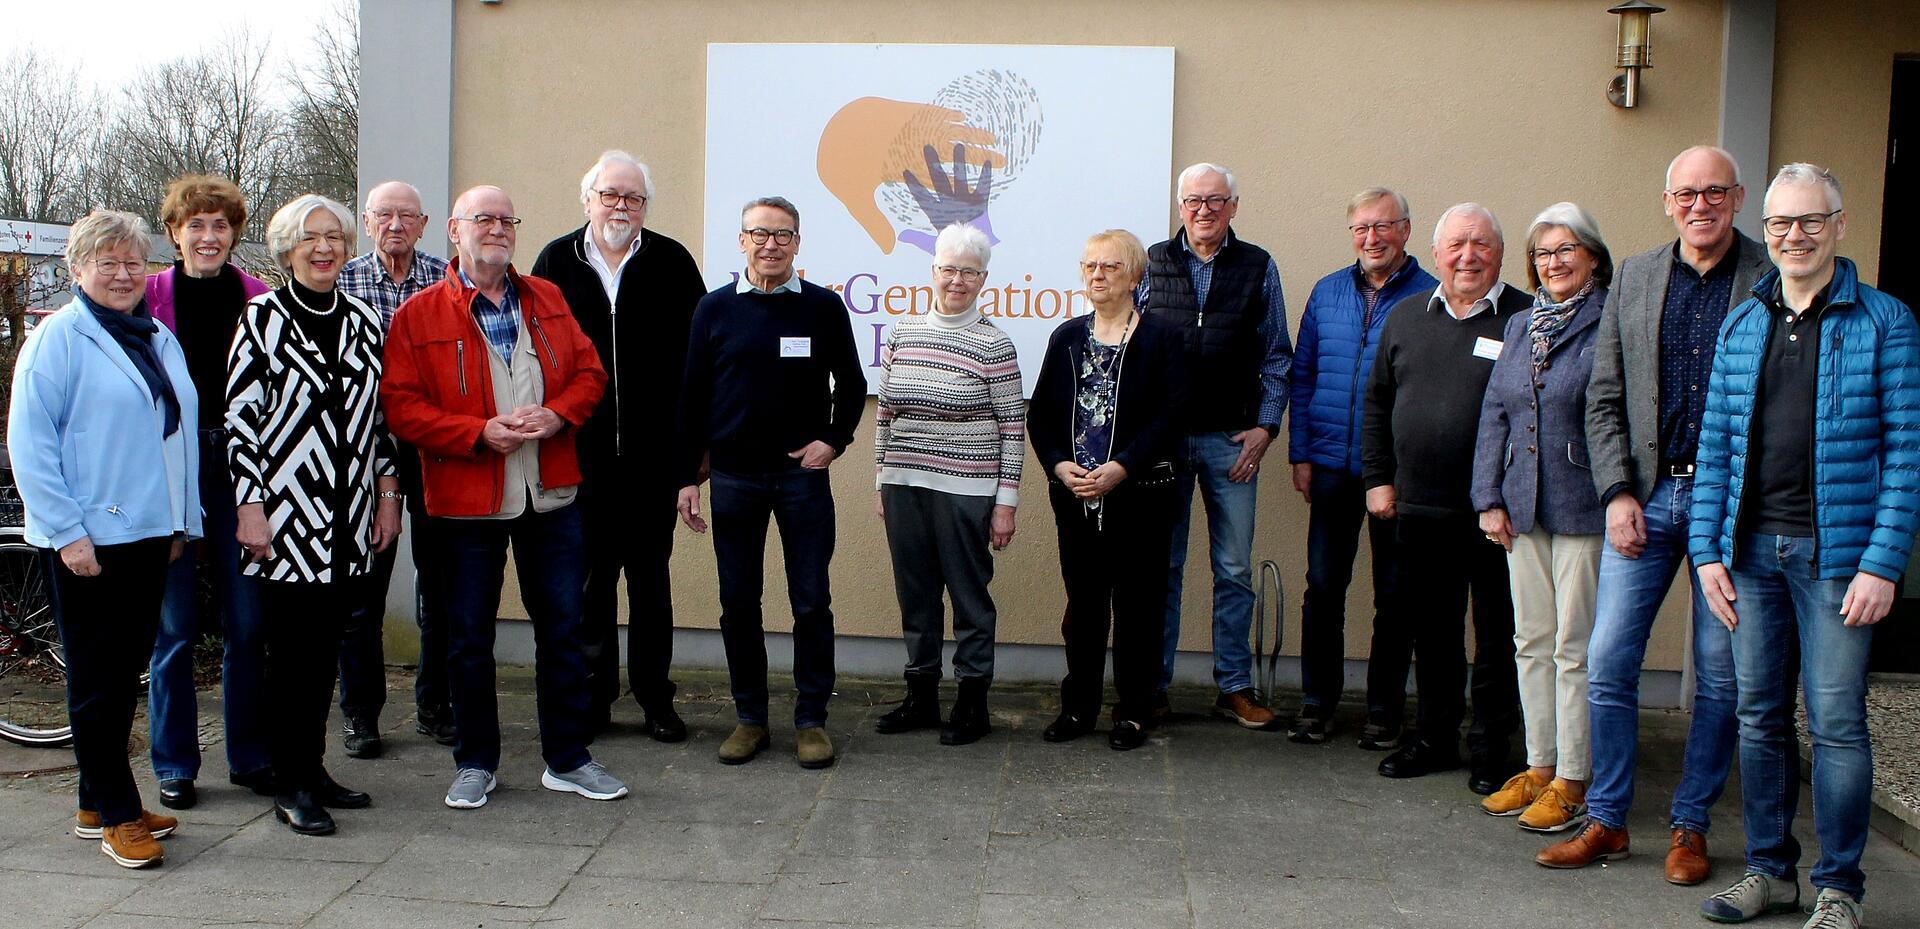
{"x": 1422, "y": 413}
{"x": 772, "y": 392}
{"x": 614, "y": 268}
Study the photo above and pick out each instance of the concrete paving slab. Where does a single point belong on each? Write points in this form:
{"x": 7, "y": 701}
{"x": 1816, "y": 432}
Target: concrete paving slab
{"x": 735, "y": 853}
{"x": 362, "y": 911}
{"x": 841, "y": 828}
{"x": 876, "y": 891}
{"x": 41, "y": 898}
{"x": 473, "y": 868}
{"x": 1012, "y": 911}
{"x": 1058, "y": 866}
{"x": 1232, "y": 901}
{"x": 222, "y": 887}
{"x": 623, "y": 903}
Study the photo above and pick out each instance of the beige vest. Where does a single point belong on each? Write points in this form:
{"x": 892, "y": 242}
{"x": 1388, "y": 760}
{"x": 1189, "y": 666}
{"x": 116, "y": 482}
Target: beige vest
{"x": 517, "y": 384}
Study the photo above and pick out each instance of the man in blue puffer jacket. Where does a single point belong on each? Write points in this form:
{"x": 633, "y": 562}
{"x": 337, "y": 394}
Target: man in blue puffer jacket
{"x": 1805, "y": 501}
{"x": 1331, "y": 363}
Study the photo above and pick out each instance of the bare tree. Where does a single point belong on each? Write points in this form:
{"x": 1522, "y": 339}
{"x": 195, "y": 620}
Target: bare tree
{"x": 49, "y": 121}
{"x": 323, "y": 119}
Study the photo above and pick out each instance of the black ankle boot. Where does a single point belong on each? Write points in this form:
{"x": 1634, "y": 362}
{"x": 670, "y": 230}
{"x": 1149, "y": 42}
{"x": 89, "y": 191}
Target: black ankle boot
{"x": 920, "y": 710}
{"x": 969, "y": 720}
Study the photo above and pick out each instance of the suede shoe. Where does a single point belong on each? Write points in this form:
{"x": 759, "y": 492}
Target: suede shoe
{"x": 1514, "y": 796}
{"x": 1752, "y": 896}
{"x": 745, "y": 742}
{"x": 920, "y": 709}
{"x": 1552, "y": 810}
{"x": 664, "y": 723}
{"x": 302, "y": 813}
{"x": 1419, "y": 758}
{"x": 1594, "y": 843}
{"x": 1835, "y": 909}
{"x": 335, "y": 797}
{"x": 436, "y": 724}
{"x": 131, "y": 845}
{"x": 177, "y": 793}
{"x": 812, "y": 748}
{"x": 86, "y": 824}
{"x": 361, "y": 738}
{"x": 1687, "y": 863}
{"x": 1243, "y": 706}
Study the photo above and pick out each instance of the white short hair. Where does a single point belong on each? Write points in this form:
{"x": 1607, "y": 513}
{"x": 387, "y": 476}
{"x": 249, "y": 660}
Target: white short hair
{"x": 1583, "y": 227}
{"x": 1801, "y": 174}
{"x": 1723, "y": 153}
{"x": 963, "y": 241}
{"x": 1467, "y": 209}
{"x": 289, "y": 223}
{"x": 1205, "y": 167}
{"x": 612, "y": 156}
{"x": 103, "y": 229}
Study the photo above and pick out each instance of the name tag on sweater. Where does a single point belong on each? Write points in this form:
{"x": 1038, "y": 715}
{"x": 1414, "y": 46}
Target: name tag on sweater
{"x": 796, "y": 346}
{"x": 1489, "y": 349}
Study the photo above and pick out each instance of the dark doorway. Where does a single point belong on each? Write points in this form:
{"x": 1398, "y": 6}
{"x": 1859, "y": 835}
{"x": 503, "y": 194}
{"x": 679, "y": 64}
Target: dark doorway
{"x": 1896, "y": 643}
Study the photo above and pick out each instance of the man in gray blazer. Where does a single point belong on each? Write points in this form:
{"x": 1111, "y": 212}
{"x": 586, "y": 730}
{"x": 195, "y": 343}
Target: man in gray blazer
{"x": 1644, "y": 406}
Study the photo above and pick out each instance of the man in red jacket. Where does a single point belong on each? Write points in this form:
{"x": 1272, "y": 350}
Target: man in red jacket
{"x": 489, "y": 377}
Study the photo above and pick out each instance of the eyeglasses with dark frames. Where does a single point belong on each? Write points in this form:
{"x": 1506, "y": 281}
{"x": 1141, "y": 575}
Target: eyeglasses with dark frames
{"x": 1715, "y": 195}
{"x": 1810, "y": 223}
{"x": 616, "y": 199}
{"x": 780, "y": 237}
{"x": 1360, "y": 230}
{"x": 486, "y": 220}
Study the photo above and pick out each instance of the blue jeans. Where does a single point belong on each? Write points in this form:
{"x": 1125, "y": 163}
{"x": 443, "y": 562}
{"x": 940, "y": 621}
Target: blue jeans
{"x": 172, "y": 711}
{"x": 1629, "y": 597}
{"x": 1780, "y": 606}
{"x": 800, "y": 502}
{"x": 1230, "y": 507}
{"x": 548, "y": 558}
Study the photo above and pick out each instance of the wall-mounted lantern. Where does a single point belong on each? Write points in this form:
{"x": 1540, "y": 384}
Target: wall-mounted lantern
{"x": 1636, "y": 50}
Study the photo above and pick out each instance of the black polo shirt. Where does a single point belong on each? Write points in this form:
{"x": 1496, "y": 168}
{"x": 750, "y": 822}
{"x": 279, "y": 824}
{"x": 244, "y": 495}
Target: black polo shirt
{"x": 1780, "y": 476}
{"x": 1696, "y": 305}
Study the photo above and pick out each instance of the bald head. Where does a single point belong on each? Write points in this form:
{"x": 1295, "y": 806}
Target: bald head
{"x": 482, "y": 228}
{"x": 394, "y": 221}
{"x": 1703, "y": 193}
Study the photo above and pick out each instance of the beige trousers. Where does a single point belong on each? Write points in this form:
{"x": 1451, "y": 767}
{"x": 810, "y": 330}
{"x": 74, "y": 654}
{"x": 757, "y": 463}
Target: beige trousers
{"x": 1553, "y": 588}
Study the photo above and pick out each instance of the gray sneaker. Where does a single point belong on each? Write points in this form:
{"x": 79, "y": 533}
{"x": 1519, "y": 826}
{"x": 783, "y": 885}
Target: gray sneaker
{"x": 1835, "y": 909}
{"x": 1753, "y": 896}
{"x": 590, "y": 780}
{"x": 470, "y": 788}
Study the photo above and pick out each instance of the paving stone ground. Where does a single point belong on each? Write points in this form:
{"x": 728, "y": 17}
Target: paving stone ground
{"x": 1207, "y": 826}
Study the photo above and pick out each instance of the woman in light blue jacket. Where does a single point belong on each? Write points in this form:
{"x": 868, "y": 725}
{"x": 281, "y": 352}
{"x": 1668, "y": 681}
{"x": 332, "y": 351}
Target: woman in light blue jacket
{"x": 100, "y": 431}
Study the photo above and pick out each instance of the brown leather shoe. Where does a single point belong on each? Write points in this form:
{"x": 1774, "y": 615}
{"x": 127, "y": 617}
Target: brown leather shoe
{"x": 1593, "y": 843}
{"x": 86, "y": 824}
{"x": 130, "y": 845}
{"x": 1687, "y": 863}
{"x": 1243, "y": 706}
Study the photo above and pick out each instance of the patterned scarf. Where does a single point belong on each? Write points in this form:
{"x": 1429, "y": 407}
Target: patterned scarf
{"x": 1550, "y": 318}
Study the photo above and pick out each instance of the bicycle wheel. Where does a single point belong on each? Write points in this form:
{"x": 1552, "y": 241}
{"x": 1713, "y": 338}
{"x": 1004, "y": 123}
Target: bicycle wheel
{"x": 33, "y": 666}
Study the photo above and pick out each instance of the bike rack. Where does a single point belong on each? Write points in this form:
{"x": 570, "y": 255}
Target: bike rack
{"x": 1266, "y": 661}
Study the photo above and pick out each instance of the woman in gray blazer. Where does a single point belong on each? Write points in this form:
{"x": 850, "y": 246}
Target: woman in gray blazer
{"x": 1533, "y": 488}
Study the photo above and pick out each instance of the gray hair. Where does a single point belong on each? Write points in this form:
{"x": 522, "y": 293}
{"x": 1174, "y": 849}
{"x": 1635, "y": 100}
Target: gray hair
{"x": 1374, "y": 194}
{"x": 1467, "y": 209}
{"x": 1723, "y": 153}
{"x": 1585, "y": 230}
{"x": 289, "y": 223}
{"x": 613, "y": 156}
{"x": 1205, "y": 167}
{"x": 102, "y": 229}
{"x": 779, "y": 203}
{"x": 962, "y": 240}
{"x": 1800, "y": 173}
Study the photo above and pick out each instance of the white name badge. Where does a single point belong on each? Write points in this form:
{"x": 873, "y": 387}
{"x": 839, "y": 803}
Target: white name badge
{"x": 1489, "y": 349}
{"x": 800, "y": 346}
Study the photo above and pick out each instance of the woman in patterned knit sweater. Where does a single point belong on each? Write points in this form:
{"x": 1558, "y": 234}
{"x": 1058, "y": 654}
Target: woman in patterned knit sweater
{"x": 948, "y": 445}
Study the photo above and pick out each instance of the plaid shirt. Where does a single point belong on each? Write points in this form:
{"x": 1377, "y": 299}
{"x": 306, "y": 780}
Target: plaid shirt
{"x": 364, "y": 277}
{"x": 500, "y": 322}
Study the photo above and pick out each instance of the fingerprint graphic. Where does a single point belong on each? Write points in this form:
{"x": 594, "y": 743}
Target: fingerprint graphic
{"x": 1000, "y": 102}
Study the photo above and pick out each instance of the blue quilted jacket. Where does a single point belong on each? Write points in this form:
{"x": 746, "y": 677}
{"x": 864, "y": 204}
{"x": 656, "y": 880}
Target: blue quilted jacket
{"x": 1331, "y": 362}
{"x": 1866, "y": 432}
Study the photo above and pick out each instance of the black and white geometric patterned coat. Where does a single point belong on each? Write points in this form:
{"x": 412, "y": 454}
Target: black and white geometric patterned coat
{"x": 307, "y": 439}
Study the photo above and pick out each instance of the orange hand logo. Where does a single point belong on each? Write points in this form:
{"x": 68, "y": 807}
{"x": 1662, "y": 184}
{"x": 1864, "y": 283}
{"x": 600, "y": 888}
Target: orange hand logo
{"x": 874, "y": 141}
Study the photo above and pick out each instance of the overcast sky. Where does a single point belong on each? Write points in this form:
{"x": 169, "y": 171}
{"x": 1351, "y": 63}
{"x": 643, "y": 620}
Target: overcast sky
{"x": 110, "y": 40}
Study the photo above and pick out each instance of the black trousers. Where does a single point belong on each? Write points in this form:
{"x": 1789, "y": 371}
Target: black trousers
{"x": 363, "y": 671}
{"x": 1338, "y": 511}
{"x": 108, "y": 623}
{"x": 1442, "y": 562}
{"x": 628, "y": 526}
{"x": 303, "y": 626}
{"x": 1115, "y": 568}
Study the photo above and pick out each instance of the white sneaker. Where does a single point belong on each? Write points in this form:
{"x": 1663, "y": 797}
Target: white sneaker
{"x": 470, "y": 788}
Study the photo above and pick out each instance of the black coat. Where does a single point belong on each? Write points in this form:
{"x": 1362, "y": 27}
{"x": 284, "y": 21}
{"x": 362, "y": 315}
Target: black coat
{"x": 1147, "y": 426}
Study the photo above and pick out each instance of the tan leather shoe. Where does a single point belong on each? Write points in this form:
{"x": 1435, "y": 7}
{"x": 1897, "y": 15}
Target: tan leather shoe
{"x": 1594, "y": 843}
{"x": 745, "y": 742}
{"x": 812, "y": 747}
{"x": 86, "y": 824}
{"x": 1243, "y": 707}
{"x": 1515, "y": 796}
{"x": 130, "y": 845}
{"x": 1687, "y": 863}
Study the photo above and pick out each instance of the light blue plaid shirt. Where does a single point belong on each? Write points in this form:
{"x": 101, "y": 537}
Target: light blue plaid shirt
{"x": 500, "y": 323}
{"x": 366, "y": 278}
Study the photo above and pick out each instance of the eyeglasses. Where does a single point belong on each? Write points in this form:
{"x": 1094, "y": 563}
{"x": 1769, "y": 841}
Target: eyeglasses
{"x": 1811, "y": 223}
{"x": 1545, "y": 256}
{"x": 1111, "y": 267}
{"x": 484, "y": 220}
{"x": 111, "y": 268}
{"x": 968, "y": 275}
{"x": 335, "y": 239}
{"x": 1216, "y": 203}
{"x": 406, "y": 217}
{"x": 1360, "y": 230}
{"x": 780, "y": 237}
{"x": 1684, "y": 196}
{"x": 614, "y": 198}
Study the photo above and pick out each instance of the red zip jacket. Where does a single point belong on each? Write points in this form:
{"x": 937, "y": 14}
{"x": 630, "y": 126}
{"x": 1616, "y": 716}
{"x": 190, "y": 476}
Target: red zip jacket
{"x": 437, "y": 391}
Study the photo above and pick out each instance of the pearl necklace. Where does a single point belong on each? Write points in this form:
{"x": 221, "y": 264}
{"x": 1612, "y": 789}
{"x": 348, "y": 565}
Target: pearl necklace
{"x": 293, "y": 290}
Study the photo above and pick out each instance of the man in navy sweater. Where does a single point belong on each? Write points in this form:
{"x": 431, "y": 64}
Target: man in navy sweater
{"x": 772, "y": 392}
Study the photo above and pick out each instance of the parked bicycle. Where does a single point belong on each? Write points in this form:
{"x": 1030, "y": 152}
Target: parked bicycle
{"x": 33, "y": 666}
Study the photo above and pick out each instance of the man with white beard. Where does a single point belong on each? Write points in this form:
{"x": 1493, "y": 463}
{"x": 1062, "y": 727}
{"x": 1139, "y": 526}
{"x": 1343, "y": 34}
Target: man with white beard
{"x": 614, "y": 269}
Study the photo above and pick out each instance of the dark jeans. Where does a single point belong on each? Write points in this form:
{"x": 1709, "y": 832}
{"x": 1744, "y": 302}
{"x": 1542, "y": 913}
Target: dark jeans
{"x": 941, "y": 548}
{"x": 800, "y": 502}
{"x": 1114, "y": 566}
{"x": 303, "y": 624}
{"x": 1442, "y": 561}
{"x": 629, "y": 528}
{"x": 1333, "y": 539}
{"x": 548, "y": 559}
{"x": 108, "y": 623}
{"x": 363, "y": 674}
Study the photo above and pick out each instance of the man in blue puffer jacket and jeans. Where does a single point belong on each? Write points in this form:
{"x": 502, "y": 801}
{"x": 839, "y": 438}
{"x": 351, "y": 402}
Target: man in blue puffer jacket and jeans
{"x": 1804, "y": 510}
{"x": 1338, "y": 334}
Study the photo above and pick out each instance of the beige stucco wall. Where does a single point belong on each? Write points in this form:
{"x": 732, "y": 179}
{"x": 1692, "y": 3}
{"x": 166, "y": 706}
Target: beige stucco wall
{"x": 1500, "y": 102}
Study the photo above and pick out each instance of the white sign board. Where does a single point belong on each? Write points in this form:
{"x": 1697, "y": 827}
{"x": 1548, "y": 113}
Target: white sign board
{"x": 19, "y": 237}
{"x": 862, "y": 138}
